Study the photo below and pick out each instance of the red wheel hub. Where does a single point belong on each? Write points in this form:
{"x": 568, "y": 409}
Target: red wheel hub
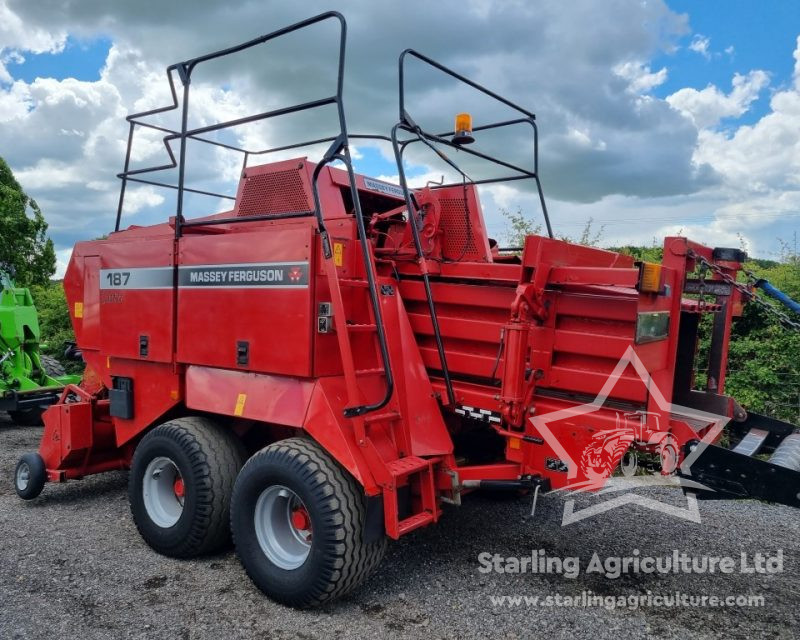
{"x": 179, "y": 488}
{"x": 300, "y": 519}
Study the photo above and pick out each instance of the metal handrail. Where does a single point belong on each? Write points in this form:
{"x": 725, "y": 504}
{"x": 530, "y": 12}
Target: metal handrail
{"x": 408, "y": 124}
{"x": 339, "y": 150}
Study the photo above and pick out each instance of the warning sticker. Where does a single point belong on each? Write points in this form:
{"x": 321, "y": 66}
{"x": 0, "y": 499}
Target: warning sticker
{"x": 239, "y": 408}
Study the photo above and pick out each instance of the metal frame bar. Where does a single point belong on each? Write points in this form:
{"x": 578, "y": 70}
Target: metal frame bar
{"x": 184, "y": 71}
{"x": 338, "y": 151}
{"x": 408, "y": 124}
{"x": 410, "y": 205}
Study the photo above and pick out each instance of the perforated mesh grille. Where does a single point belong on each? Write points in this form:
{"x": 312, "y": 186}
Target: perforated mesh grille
{"x": 274, "y": 193}
{"x": 457, "y": 242}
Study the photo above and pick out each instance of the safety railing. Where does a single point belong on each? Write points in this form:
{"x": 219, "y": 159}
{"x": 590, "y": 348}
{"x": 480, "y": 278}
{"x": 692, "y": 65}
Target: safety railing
{"x": 409, "y": 125}
{"x": 338, "y": 151}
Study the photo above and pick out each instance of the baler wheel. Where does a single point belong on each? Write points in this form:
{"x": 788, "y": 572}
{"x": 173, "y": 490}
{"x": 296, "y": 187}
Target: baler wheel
{"x": 298, "y": 521}
{"x": 30, "y": 476}
{"x": 180, "y": 486}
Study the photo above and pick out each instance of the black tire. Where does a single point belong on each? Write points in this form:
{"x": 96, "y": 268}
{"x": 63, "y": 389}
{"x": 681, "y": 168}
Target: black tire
{"x": 52, "y": 367}
{"x": 27, "y": 417}
{"x": 30, "y": 476}
{"x": 208, "y": 457}
{"x": 33, "y": 417}
{"x": 338, "y": 560}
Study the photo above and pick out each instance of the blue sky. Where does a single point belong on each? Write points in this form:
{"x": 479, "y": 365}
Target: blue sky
{"x": 80, "y": 59}
{"x": 760, "y": 33}
{"x": 642, "y": 127}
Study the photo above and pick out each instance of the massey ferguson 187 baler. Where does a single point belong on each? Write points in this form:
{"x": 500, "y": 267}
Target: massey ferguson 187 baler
{"x": 326, "y": 364}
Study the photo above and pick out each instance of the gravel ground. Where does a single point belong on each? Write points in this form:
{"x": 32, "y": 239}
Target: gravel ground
{"x": 73, "y": 565}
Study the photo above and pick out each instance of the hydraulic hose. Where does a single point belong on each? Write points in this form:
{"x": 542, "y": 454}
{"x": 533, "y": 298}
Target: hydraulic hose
{"x": 779, "y": 295}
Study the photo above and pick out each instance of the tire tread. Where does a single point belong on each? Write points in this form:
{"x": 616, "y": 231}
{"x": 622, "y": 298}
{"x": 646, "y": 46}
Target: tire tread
{"x": 215, "y": 455}
{"x": 351, "y": 560}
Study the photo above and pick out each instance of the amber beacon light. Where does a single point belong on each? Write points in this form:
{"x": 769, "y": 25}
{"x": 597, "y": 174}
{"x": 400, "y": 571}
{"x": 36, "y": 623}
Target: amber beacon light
{"x": 463, "y": 129}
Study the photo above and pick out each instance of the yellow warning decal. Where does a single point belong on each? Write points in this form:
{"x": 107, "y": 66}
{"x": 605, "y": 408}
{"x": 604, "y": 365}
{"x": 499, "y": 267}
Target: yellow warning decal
{"x": 240, "y": 400}
{"x": 78, "y": 310}
{"x": 338, "y": 254}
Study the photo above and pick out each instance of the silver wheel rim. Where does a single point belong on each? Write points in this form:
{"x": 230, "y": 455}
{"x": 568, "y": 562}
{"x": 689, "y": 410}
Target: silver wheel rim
{"x": 282, "y": 541}
{"x": 629, "y": 463}
{"x": 669, "y": 459}
{"x": 23, "y": 476}
{"x": 161, "y": 501}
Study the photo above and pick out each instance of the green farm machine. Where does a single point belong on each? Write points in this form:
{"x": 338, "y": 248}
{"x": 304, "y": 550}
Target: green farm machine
{"x": 29, "y": 380}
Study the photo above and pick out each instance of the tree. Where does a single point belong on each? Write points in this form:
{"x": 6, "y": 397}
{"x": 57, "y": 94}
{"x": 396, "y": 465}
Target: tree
{"x": 25, "y": 248}
{"x": 519, "y": 226}
{"x": 764, "y": 359}
{"x": 55, "y": 323}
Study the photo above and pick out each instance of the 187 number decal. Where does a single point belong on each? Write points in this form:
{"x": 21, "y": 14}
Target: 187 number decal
{"x": 118, "y": 278}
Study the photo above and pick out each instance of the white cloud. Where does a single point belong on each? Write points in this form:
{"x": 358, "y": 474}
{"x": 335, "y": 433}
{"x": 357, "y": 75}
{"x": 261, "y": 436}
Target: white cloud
{"x": 140, "y": 197}
{"x": 760, "y": 163}
{"x": 797, "y": 64}
{"x": 700, "y": 44}
{"x": 62, "y": 260}
{"x": 609, "y": 148}
{"x": 5, "y": 58}
{"x": 710, "y": 105}
{"x": 18, "y": 34}
{"x": 639, "y": 76}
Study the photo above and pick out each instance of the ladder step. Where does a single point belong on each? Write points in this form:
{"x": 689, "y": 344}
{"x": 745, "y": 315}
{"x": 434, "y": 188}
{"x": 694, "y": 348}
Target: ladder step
{"x": 361, "y": 327}
{"x": 414, "y": 522}
{"x": 378, "y": 417}
{"x": 752, "y": 442}
{"x": 406, "y": 466}
{"x": 370, "y": 372}
{"x": 353, "y": 282}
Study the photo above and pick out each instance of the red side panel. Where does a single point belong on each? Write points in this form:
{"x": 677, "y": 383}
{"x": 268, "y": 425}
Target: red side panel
{"x": 583, "y": 339}
{"x": 156, "y": 389}
{"x": 471, "y": 318}
{"x": 427, "y": 432}
{"x": 253, "y": 289}
{"x": 77, "y": 283}
{"x": 90, "y": 334}
{"x": 326, "y": 423}
{"x": 255, "y": 396}
{"x": 136, "y": 298}
{"x": 316, "y": 406}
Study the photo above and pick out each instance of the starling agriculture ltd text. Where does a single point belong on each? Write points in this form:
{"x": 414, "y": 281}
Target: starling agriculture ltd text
{"x": 615, "y": 566}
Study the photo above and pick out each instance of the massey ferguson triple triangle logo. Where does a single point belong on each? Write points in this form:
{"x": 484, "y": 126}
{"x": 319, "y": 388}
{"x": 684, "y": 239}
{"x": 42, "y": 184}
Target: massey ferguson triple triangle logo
{"x": 608, "y": 449}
